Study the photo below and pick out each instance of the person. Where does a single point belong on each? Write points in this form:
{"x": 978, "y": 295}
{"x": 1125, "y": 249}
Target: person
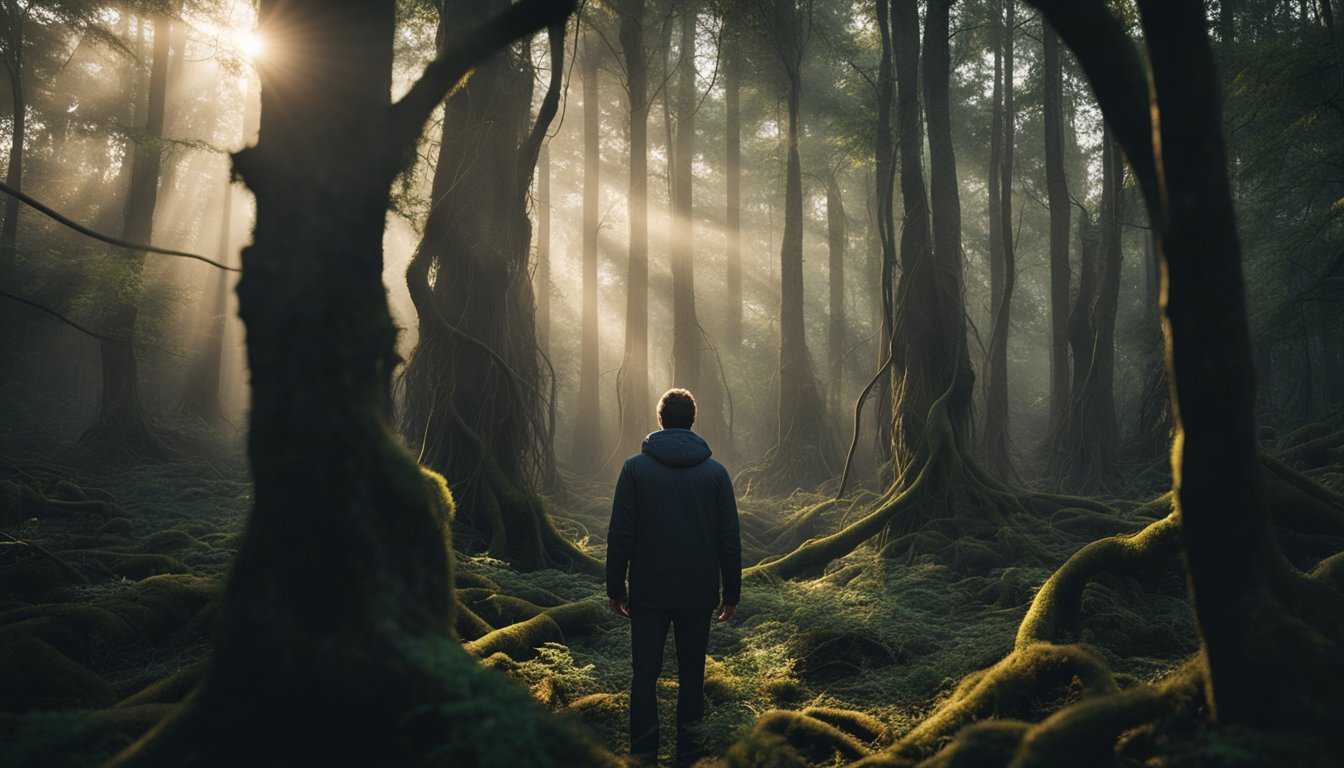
{"x": 674, "y": 526}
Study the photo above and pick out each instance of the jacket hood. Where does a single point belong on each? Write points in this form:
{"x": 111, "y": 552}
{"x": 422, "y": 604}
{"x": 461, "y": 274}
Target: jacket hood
{"x": 677, "y": 447}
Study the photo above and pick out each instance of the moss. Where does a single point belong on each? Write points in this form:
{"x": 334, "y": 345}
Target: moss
{"x": 117, "y": 526}
{"x": 804, "y": 738}
{"x": 992, "y": 742}
{"x": 34, "y": 675}
{"x": 862, "y": 726}
{"x": 826, "y": 654}
{"x": 127, "y": 564}
{"x": 503, "y": 610}
{"x": 38, "y": 579}
{"x": 170, "y": 541}
{"x": 171, "y": 689}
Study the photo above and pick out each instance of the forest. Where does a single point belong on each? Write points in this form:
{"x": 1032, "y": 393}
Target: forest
{"x": 326, "y": 327}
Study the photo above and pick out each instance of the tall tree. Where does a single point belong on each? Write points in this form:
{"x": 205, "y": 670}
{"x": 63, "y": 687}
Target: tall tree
{"x": 804, "y": 452}
{"x": 732, "y": 98}
{"x": 1057, "y": 198}
{"x": 1165, "y": 112}
{"x": 474, "y": 402}
{"x": 633, "y": 378}
{"x": 1089, "y": 439}
{"x": 586, "y": 455}
{"x": 1003, "y": 267}
{"x": 354, "y": 637}
{"x": 687, "y": 346}
{"x": 836, "y": 241}
{"x": 934, "y": 362}
{"x": 121, "y": 419}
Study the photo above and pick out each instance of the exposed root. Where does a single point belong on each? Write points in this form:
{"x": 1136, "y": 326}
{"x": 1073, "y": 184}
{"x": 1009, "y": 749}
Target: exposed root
{"x": 1061, "y": 595}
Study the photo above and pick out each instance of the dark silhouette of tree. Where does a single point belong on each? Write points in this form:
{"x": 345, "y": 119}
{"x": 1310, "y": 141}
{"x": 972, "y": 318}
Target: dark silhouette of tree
{"x": 338, "y": 613}
{"x": 587, "y": 449}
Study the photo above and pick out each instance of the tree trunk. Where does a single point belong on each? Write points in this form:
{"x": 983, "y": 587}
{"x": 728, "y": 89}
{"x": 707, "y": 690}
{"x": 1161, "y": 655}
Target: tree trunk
{"x": 931, "y": 321}
{"x": 9, "y": 233}
{"x": 836, "y": 239}
{"x": 687, "y": 347}
{"x": 1002, "y": 264}
{"x": 474, "y": 398}
{"x": 1057, "y": 191}
{"x": 1249, "y": 603}
{"x": 543, "y": 287}
{"x": 587, "y": 453}
{"x": 732, "y": 96}
{"x": 633, "y": 378}
{"x": 353, "y": 637}
{"x": 909, "y": 404}
{"x": 884, "y": 194}
{"x": 121, "y": 421}
{"x": 804, "y": 452}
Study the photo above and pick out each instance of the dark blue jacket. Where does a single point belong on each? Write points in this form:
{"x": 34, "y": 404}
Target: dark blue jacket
{"x": 674, "y": 525}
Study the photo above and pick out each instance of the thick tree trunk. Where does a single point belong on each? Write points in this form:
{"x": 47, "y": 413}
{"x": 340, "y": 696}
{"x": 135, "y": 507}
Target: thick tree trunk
{"x": 884, "y": 227}
{"x": 637, "y": 417}
{"x": 474, "y": 398}
{"x": 908, "y": 416}
{"x": 1057, "y": 192}
{"x": 931, "y": 323}
{"x": 587, "y": 451}
{"x": 121, "y": 420}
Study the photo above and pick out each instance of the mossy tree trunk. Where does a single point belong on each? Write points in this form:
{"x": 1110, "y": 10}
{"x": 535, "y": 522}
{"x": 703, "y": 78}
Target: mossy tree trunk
{"x": 1249, "y": 604}
{"x": 337, "y": 617}
{"x": 474, "y": 387}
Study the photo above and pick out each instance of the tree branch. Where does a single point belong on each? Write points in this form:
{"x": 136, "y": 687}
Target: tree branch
{"x": 83, "y": 230}
{"x": 446, "y": 72}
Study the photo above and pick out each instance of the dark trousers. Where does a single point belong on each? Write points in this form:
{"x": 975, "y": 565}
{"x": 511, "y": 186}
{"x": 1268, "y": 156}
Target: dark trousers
{"x": 648, "y": 634}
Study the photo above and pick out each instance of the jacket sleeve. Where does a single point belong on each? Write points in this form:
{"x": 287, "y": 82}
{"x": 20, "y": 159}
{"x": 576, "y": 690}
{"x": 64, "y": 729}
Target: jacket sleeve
{"x": 730, "y": 543}
{"x": 620, "y": 533}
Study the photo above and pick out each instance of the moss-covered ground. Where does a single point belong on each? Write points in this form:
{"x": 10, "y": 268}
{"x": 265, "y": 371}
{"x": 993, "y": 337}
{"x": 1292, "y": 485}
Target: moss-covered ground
{"x": 113, "y": 569}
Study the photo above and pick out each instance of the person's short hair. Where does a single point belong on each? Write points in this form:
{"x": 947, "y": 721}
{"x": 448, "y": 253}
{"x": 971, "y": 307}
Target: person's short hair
{"x": 676, "y": 408}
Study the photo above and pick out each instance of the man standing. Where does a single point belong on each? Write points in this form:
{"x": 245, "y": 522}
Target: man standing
{"x": 674, "y": 526}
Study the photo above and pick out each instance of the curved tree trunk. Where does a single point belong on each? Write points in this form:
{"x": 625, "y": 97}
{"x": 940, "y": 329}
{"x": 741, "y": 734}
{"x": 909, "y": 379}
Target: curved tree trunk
{"x": 474, "y": 403}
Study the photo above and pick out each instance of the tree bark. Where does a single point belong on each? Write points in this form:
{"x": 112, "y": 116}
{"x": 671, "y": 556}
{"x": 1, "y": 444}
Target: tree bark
{"x": 687, "y": 346}
{"x": 732, "y": 96}
{"x": 9, "y": 233}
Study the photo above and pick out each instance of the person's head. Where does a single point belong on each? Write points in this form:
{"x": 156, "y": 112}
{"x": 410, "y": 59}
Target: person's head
{"x": 676, "y": 409}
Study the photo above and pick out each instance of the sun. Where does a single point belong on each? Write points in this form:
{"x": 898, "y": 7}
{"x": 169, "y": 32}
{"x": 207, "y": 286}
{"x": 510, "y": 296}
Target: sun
{"x": 251, "y": 45}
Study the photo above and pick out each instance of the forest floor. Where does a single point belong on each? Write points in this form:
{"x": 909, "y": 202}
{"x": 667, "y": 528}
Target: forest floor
{"x": 87, "y": 667}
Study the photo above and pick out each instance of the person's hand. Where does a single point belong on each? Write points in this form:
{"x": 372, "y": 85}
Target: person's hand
{"x": 618, "y": 604}
{"x": 726, "y": 612}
